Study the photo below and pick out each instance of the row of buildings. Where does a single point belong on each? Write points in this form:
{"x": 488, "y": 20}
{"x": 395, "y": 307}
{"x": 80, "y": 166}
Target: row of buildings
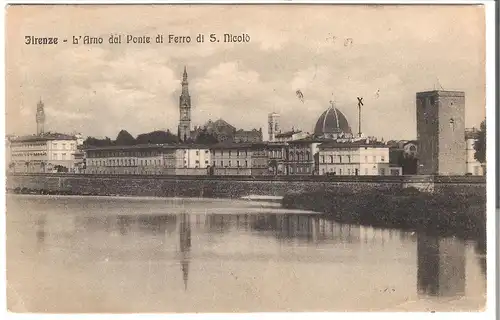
{"x": 331, "y": 149}
{"x": 301, "y": 157}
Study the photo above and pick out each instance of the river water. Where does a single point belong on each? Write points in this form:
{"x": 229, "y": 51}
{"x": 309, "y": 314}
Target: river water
{"x": 121, "y": 255}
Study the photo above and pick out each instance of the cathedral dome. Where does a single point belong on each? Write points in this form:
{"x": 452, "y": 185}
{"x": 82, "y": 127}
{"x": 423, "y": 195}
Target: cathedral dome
{"x": 332, "y": 122}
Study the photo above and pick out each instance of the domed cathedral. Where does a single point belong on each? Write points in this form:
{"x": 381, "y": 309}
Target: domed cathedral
{"x": 332, "y": 124}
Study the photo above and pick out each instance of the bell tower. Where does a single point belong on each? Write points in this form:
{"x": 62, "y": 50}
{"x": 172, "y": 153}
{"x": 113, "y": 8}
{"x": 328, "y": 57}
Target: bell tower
{"x": 40, "y": 118}
{"x": 184, "y": 130}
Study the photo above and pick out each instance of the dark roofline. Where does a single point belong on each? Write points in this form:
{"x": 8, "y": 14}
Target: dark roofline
{"x": 287, "y": 133}
{"x": 43, "y": 137}
{"x": 148, "y": 146}
{"x": 444, "y": 93}
{"x": 351, "y": 145}
{"x": 307, "y": 140}
{"x": 235, "y": 145}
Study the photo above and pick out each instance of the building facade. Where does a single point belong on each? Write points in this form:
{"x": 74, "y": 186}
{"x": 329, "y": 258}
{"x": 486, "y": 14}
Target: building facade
{"x": 251, "y": 136}
{"x": 276, "y": 152}
{"x": 48, "y": 152}
{"x": 302, "y": 157}
{"x": 148, "y": 159}
{"x": 440, "y": 129}
{"x": 240, "y": 159}
{"x": 355, "y": 159}
{"x": 184, "y": 130}
{"x": 474, "y": 167}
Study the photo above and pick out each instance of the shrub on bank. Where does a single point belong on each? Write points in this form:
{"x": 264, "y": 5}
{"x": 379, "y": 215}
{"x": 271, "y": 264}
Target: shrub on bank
{"x": 407, "y": 209}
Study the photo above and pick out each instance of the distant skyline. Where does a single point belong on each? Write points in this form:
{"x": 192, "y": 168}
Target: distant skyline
{"x": 98, "y": 90}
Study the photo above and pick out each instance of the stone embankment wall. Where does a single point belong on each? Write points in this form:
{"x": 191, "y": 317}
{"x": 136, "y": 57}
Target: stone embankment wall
{"x": 232, "y": 187}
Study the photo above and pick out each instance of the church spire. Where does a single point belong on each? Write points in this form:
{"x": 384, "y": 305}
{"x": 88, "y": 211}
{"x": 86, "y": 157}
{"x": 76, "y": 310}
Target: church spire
{"x": 184, "y": 130}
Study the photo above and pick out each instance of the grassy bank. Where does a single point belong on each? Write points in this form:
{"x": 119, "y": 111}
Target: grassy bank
{"x": 409, "y": 209}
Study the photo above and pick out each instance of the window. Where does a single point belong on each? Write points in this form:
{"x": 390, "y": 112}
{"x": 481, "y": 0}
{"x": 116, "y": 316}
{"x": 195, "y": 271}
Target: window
{"x": 222, "y": 164}
{"x": 197, "y": 162}
{"x": 348, "y": 159}
{"x": 237, "y": 153}
{"x": 229, "y": 153}
{"x": 238, "y": 163}
{"x": 340, "y": 159}
{"x": 214, "y": 163}
{"x": 197, "y": 153}
{"x": 349, "y": 171}
{"x": 246, "y": 164}
{"x": 229, "y": 162}
{"x": 322, "y": 159}
{"x": 382, "y": 159}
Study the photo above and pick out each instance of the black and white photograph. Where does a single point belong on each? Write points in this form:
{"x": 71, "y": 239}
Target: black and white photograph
{"x": 242, "y": 158}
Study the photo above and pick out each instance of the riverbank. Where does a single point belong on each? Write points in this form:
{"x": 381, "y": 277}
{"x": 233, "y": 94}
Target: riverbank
{"x": 449, "y": 214}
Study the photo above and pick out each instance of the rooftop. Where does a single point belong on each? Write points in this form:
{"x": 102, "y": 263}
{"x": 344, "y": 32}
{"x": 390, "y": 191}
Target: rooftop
{"x": 287, "y": 134}
{"x": 234, "y": 145}
{"x": 352, "y": 144}
{"x": 43, "y": 137}
{"x": 443, "y": 93}
{"x": 148, "y": 146}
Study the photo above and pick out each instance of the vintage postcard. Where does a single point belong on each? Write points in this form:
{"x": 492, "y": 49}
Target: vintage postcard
{"x": 237, "y": 158}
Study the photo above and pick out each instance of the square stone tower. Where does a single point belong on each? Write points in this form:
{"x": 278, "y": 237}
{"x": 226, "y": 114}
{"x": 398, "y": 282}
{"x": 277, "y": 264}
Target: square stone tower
{"x": 440, "y": 133}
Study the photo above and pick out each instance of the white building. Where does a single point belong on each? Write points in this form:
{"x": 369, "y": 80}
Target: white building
{"x": 194, "y": 157}
{"x": 148, "y": 159}
{"x": 47, "y": 152}
{"x": 355, "y": 158}
{"x": 474, "y": 167}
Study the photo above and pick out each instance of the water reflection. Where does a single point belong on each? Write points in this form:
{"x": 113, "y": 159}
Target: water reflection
{"x": 441, "y": 266}
{"x": 302, "y": 241}
{"x": 185, "y": 246}
{"x": 40, "y": 229}
{"x": 307, "y": 228}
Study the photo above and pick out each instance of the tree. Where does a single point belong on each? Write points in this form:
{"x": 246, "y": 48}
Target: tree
{"x": 480, "y": 144}
{"x": 206, "y": 138}
{"x": 156, "y": 137}
{"x": 125, "y": 139}
{"x": 94, "y": 142}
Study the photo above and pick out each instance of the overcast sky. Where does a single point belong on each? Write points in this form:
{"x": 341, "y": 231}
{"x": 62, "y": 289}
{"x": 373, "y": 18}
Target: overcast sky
{"x": 98, "y": 90}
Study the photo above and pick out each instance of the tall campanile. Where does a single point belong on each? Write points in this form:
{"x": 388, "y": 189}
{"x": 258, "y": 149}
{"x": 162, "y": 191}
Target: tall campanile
{"x": 40, "y": 118}
{"x": 184, "y": 130}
